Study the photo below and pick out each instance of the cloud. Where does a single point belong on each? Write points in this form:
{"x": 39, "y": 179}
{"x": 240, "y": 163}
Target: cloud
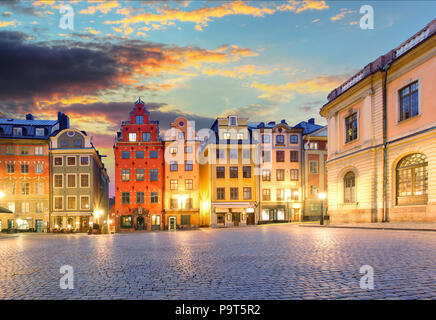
{"x": 104, "y": 7}
{"x": 316, "y": 20}
{"x": 286, "y": 92}
{"x": 6, "y": 14}
{"x": 240, "y": 72}
{"x": 301, "y": 6}
{"x": 341, "y": 15}
{"x": 7, "y": 23}
{"x": 252, "y": 111}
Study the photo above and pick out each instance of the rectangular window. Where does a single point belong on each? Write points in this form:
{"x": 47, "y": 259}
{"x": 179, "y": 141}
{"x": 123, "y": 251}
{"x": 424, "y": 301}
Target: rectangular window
{"x": 266, "y": 175}
{"x": 188, "y": 184}
{"x": 154, "y": 197}
{"x": 25, "y": 188}
{"x": 232, "y": 121}
{"x": 174, "y": 203}
{"x": 234, "y": 193}
{"x": 233, "y": 172}
{"x": 58, "y": 161}
{"x": 132, "y": 137}
{"x": 10, "y": 168}
{"x": 313, "y": 145}
{"x": 24, "y": 168}
{"x": 293, "y": 139}
{"x": 294, "y": 174}
{"x": 188, "y": 149}
{"x": 39, "y": 132}
{"x": 174, "y": 184}
{"x": 71, "y": 180}
{"x": 409, "y": 101}
{"x": 139, "y": 174}
{"x": 246, "y": 154}
{"x": 139, "y": 154}
{"x": 280, "y": 139}
{"x": 10, "y": 188}
{"x": 295, "y": 194}
{"x": 220, "y": 154}
{"x": 38, "y": 151}
{"x": 185, "y": 219}
{"x": 84, "y": 180}
{"x": 174, "y": 166}
{"x": 266, "y": 156}
{"x": 280, "y": 156}
{"x": 39, "y": 187}
{"x": 294, "y": 156}
{"x": 220, "y": 172}
{"x": 125, "y": 154}
{"x": 39, "y": 207}
{"x": 246, "y": 171}
{"x": 71, "y": 161}
{"x": 153, "y": 154}
{"x": 173, "y": 150}
{"x": 351, "y": 127}
{"x": 233, "y": 153}
{"x": 280, "y": 195}
{"x": 266, "y": 195}
{"x": 125, "y": 197}
{"x": 58, "y": 202}
{"x": 313, "y": 166}
{"x": 154, "y": 175}
{"x": 188, "y": 165}
{"x": 84, "y": 203}
{"x": 146, "y": 136}
{"x": 240, "y": 136}
{"x": 139, "y": 120}
{"x": 266, "y": 138}
{"x": 226, "y": 135}
{"x": 84, "y": 161}
{"x": 125, "y": 175}
{"x": 247, "y": 193}
{"x": 181, "y": 135}
{"x": 126, "y": 221}
{"x": 313, "y": 190}
{"x": 139, "y": 197}
{"x": 10, "y": 150}
{"x": 58, "y": 180}
{"x": 188, "y": 203}
{"x": 24, "y": 150}
{"x": 71, "y": 203}
{"x": 18, "y": 131}
{"x": 220, "y": 193}
{"x": 280, "y": 174}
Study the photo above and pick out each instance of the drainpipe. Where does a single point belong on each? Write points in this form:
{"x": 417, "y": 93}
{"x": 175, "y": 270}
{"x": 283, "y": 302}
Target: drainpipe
{"x": 385, "y": 153}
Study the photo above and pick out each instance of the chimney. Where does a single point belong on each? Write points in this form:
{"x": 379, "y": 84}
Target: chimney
{"x": 283, "y": 121}
{"x": 311, "y": 121}
{"x": 29, "y": 116}
{"x": 64, "y": 121}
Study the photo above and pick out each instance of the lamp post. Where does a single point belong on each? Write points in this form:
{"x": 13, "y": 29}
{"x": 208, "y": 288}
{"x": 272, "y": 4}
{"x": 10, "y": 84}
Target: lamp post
{"x": 322, "y": 196}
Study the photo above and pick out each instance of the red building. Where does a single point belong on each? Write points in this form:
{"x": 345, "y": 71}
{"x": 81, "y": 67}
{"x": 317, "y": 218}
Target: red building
{"x": 139, "y": 177}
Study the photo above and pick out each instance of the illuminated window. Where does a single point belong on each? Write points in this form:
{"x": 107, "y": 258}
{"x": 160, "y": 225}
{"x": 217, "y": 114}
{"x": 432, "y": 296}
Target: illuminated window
{"x": 188, "y": 184}
{"x": 38, "y": 151}
{"x": 58, "y": 180}
{"x": 266, "y": 175}
{"x": 139, "y": 174}
{"x": 58, "y": 202}
{"x": 412, "y": 180}
{"x": 349, "y": 187}
{"x": 174, "y": 184}
{"x": 280, "y": 194}
{"x": 84, "y": 203}
{"x": 280, "y": 174}
{"x": 247, "y": 193}
{"x": 294, "y": 174}
{"x": 125, "y": 175}
{"x": 351, "y": 127}
{"x": 226, "y": 135}
{"x": 240, "y": 136}
{"x": 25, "y": 188}
{"x": 266, "y": 195}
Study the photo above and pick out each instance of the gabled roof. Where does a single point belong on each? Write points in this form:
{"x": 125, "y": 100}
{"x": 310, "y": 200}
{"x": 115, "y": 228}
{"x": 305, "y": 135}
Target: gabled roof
{"x": 308, "y": 127}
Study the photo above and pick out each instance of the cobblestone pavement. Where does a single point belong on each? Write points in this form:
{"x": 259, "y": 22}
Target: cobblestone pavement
{"x": 263, "y": 262}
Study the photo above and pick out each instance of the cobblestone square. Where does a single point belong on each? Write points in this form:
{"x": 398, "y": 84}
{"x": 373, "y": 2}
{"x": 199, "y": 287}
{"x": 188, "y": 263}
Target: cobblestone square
{"x": 262, "y": 262}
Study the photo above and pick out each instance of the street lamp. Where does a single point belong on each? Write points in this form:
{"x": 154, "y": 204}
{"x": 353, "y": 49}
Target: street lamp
{"x": 321, "y": 197}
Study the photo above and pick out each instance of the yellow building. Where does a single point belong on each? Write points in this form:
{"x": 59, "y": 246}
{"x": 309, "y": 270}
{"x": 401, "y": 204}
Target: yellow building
{"x": 182, "y": 176}
{"x": 382, "y": 135}
{"x": 229, "y": 176}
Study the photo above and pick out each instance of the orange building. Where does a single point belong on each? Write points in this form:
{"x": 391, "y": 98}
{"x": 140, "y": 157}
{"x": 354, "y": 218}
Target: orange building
{"x": 182, "y": 176}
{"x": 382, "y": 135}
{"x": 139, "y": 173}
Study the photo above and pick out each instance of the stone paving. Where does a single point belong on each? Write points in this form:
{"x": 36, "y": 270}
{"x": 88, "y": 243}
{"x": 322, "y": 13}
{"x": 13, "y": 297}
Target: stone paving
{"x": 423, "y": 226}
{"x": 262, "y": 262}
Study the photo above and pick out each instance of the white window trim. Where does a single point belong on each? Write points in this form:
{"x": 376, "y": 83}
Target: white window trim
{"x": 54, "y": 180}
{"x": 54, "y": 203}
{"x": 230, "y": 120}
{"x": 80, "y": 204}
{"x": 131, "y": 134}
{"x": 70, "y": 165}
{"x": 39, "y": 148}
{"x": 54, "y": 162}
{"x": 75, "y": 182}
{"x": 397, "y": 92}
{"x": 89, "y": 180}
{"x": 80, "y": 161}
{"x": 357, "y": 111}
{"x": 75, "y": 203}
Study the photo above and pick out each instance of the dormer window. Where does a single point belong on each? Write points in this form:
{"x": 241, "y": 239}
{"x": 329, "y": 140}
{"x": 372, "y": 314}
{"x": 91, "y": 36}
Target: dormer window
{"x": 39, "y": 132}
{"x": 18, "y": 131}
{"x": 64, "y": 143}
{"x": 233, "y": 121}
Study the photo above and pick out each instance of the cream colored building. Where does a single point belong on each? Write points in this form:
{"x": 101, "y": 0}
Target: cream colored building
{"x": 382, "y": 136}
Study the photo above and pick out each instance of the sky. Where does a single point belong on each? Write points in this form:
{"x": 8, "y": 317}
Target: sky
{"x": 265, "y": 60}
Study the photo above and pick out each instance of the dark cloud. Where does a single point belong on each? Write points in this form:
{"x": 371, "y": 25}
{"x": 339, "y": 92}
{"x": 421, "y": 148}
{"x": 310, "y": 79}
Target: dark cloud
{"x": 18, "y": 6}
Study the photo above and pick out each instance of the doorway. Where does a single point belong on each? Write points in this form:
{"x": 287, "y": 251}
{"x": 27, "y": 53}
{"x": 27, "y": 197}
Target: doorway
{"x": 250, "y": 218}
{"x": 172, "y": 223}
{"x": 84, "y": 224}
{"x": 39, "y": 227}
{"x": 236, "y": 218}
{"x": 155, "y": 222}
{"x": 140, "y": 225}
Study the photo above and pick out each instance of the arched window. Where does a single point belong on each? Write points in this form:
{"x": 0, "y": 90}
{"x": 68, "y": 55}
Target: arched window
{"x": 349, "y": 187}
{"x": 412, "y": 179}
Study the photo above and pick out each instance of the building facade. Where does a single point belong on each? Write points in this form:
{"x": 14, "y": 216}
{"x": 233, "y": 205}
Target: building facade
{"x": 280, "y": 172}
{"x": 79, "y": 194}
{"x": 381, "y": 137}
{"x": 314, "y": 175}
{"x": 25, "y": 171}
{"x": 182, "y": 176}
{"x": 139, "y": 176}
{"x": 228, "y": 177}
